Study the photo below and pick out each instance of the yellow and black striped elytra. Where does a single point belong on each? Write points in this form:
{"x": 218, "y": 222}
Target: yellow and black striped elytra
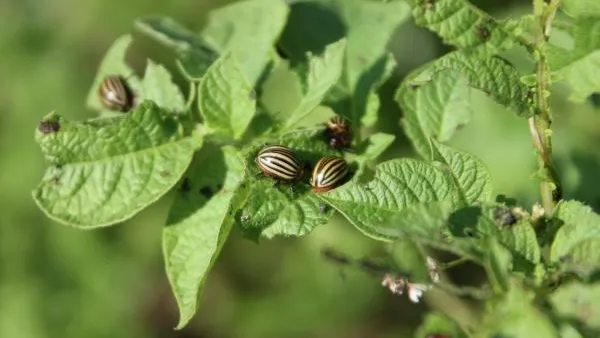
{"x": 279, "y": 162}
{"x": 115, "y": 94}
{"x": 328, "y": 173}
{"x": 338, "y": 132}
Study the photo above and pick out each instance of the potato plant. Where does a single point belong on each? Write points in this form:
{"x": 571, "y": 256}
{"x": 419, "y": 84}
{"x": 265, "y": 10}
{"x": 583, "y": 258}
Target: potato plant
{"x": 150, "y": 138}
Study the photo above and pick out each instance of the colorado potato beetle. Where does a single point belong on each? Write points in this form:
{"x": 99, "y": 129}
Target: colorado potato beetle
{"x": 338, "y": 132}
{"x": 279, "y": 162}
{"x": 115, "y": 94}
{"x": 328, "y": 173}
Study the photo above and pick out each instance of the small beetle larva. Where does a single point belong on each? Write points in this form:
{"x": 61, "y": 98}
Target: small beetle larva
{"x": 338, "y": 132}
{"x": 47, "y": 127}
{"x": 279, "y": 162}
{"x": 115, "y": 94}
{"x": 328, "y": 173}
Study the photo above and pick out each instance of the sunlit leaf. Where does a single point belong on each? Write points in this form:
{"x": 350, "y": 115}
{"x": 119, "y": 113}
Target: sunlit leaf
{"x": 578, "y": 66}
{"x": 247, "y": 29}
{"x": 226, "y": 99}
{"x": 105, "y": 171}
{"x": 199, "y": 222}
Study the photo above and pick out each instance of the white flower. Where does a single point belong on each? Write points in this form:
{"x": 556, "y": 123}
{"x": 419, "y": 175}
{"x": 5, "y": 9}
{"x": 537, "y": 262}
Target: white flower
{"x": 416, "y": 290}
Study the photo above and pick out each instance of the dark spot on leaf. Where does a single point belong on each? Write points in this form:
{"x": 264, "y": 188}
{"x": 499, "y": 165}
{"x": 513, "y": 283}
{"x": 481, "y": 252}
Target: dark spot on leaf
{"x": 47, "y": 127}
{"x": 335, "y": 256}
{"x": 411, "y": 85}
{"x": 185, "y": 185}
{"x": 206, "y": 191}
{"x": 164, "y": 173}
{"x": 252, "y": 95}
{"x": 469, "y": 232}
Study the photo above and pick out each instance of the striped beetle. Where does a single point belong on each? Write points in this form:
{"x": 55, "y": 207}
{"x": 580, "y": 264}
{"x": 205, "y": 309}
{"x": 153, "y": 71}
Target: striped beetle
{"x": 115, "y": 94}
{"x": 338, "y": 132}
{"x": 328, "y": 173}
{"x": 279, "y": 162}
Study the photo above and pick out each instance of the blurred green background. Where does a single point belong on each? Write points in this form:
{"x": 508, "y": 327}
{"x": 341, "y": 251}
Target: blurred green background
{"x": 60, "y": 282}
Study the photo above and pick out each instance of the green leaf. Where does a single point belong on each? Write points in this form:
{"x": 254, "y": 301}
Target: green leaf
{"x": 436, "y": 108}
{"x": 493, "y": 75}
{"x": 113, "y": 63}
{"x": 198, "y": 225}
{"x": 248, "y": 29}
{"x": 438, "y": 323}
{"x": 195, "y": 56}
{"x": 322, "y": 73}
{"x": 577, "y": 242}
{"x": 471, "y": 176}
{"x": 515, "y": 316}
{"x": 226, "y": 100}
{"x": 288, "y": 209}
{"x": 158, "y": 86}
{"x": 396, "y": 185}
{"x": 369, "y": 26}
{"x": 519, "y": 238}
{"x": 463, "y": 25}
{"x": 104, "y": 171}
{"x": 577, "y": 66}
{"x": 579, "y": 302}
{"x": 581, "y": 8}
{"x": 497, "y": 263}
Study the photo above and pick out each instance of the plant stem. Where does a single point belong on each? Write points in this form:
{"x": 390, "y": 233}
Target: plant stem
{"x": 540, "y": 123}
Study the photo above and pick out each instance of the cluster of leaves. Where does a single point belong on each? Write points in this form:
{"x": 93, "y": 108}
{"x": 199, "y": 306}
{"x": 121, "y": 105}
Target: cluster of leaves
{"x": 105, "y": 170}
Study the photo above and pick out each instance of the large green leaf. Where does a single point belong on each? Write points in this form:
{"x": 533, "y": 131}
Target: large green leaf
{"x": 396, "y": 185}
{"x": 493, "y": 75}
{"x": 322, "y": 73}
{"x": 226, "y": 99}
{"x": 288, "y": 209}
{"x": 578, "y": 66}
{"x": 198, "y": 224}
{"x": 463, "y": 25}
{"x": 577, "y": 242}
{"x": 436, "y": 108}
{"x": 579, "y": 302}
{"x": 104, "y": 171}
{"x": 195, "y": 55}
{"x": 470, "y": 175}
{"x": 247, "y": 29}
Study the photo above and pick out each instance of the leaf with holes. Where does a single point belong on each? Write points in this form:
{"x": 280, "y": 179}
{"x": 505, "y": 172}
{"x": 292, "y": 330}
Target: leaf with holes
{"x": 199, "y": 223}
{"x": 105, "y": 171}
{"x": 226, "y": 100}
{"x": 241, "y": 27}
{"x": 463, "y": 25}
{"x": 288, "y": 209}
{"x": 436, "y": 108}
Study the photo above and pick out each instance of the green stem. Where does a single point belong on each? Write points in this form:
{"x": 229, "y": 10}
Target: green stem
{"x": 540, "y": 124}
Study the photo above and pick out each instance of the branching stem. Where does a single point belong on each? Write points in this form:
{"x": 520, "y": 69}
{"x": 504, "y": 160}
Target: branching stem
{"x": 540, "y": 123}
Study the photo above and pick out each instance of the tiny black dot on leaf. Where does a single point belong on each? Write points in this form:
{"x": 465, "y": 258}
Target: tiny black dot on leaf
{"x": 164, "y": 173}
{"x": 206, "y": 191}
{"x": 47, "y": 127}
{"x": 504, "y": 216}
